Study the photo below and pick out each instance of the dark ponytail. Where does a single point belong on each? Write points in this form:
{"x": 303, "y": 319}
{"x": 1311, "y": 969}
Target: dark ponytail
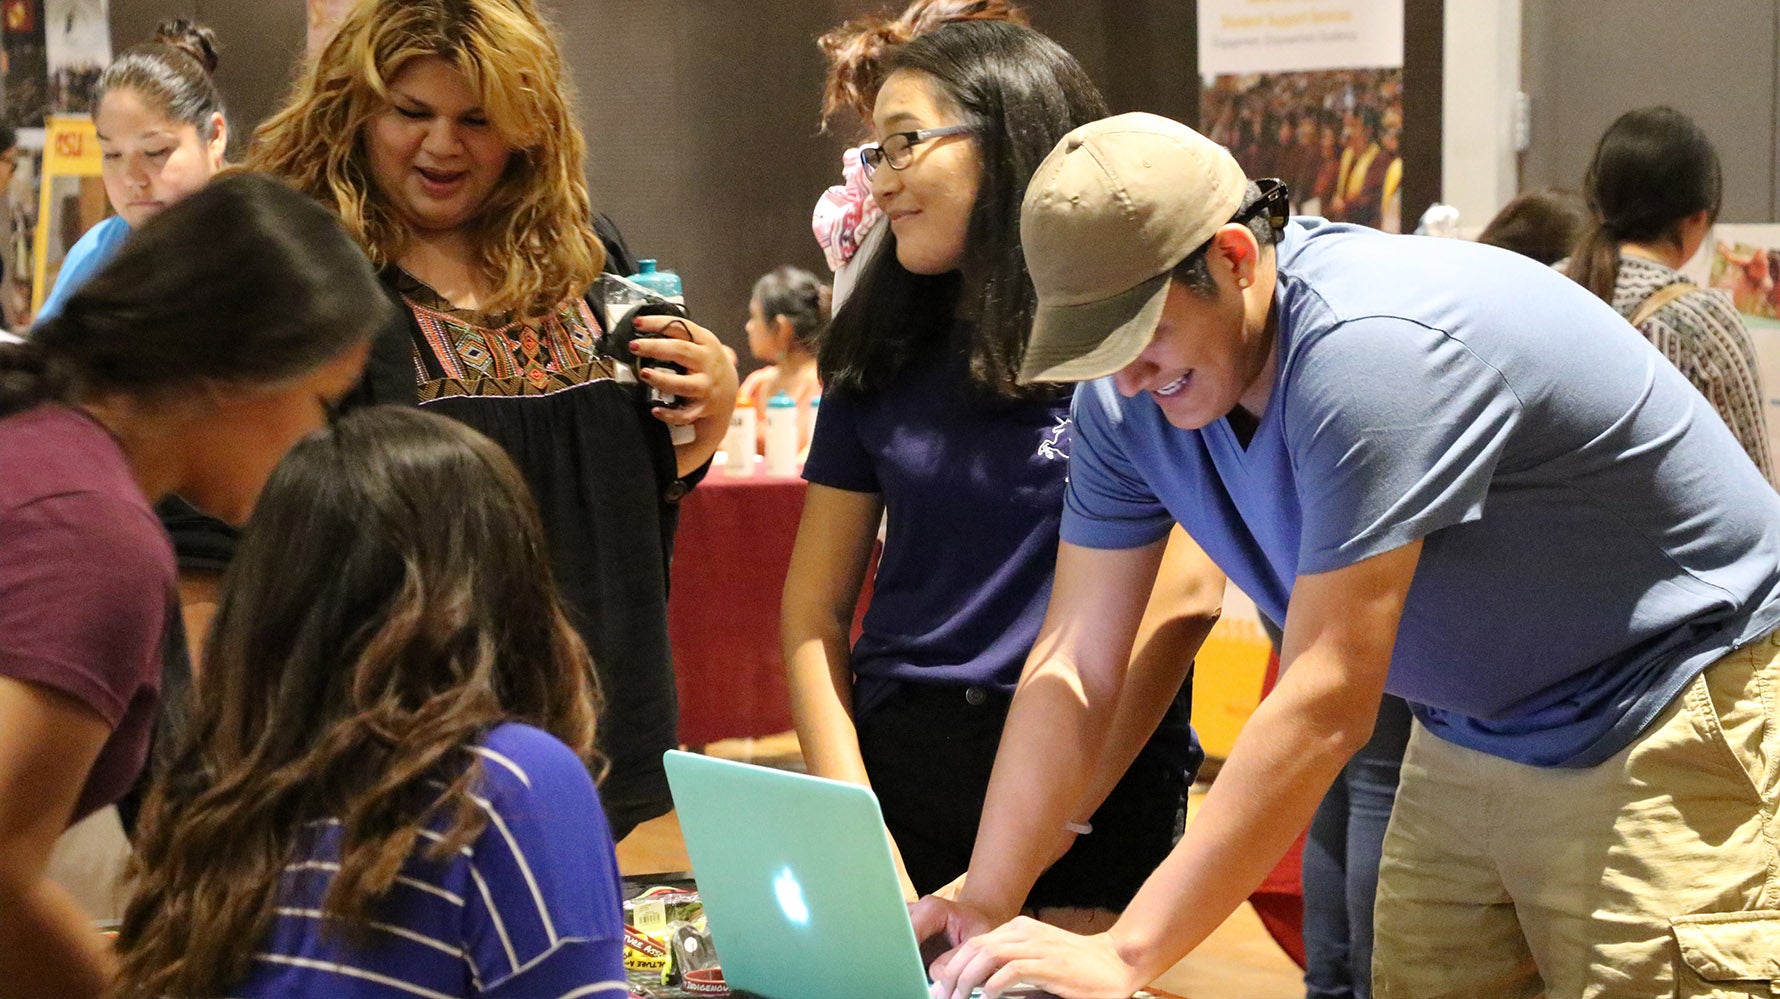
{"x": 244, "y": 282}
{"x": 1652, "y": 168}
{"x": 28, "y": 377}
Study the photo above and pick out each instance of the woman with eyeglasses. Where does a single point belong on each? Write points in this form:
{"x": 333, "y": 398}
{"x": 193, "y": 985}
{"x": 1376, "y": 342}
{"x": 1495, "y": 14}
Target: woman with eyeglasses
{"x": 923, "y": 424}
{"x": 443, "y": 133}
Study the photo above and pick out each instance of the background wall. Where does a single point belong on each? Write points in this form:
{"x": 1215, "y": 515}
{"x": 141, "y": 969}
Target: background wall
{"x": 1587, "y": 61}
{"x": 701, "y": 116}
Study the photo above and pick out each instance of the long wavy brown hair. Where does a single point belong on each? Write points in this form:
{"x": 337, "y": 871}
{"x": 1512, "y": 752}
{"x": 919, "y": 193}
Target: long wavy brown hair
{"x": 391, "y": 602}
{"x": 857, "y": 50}
{"x": 534, "y": 236}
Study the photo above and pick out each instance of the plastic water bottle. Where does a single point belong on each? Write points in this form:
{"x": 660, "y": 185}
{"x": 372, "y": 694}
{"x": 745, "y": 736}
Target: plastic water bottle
{"x": 739, "y": 444}
{"x": 663, "y": 283}
{"x": 781, "y": 435}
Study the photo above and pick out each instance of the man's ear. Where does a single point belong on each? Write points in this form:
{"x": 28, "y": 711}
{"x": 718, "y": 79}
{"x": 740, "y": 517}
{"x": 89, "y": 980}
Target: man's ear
{"x": 1235, "y": 247}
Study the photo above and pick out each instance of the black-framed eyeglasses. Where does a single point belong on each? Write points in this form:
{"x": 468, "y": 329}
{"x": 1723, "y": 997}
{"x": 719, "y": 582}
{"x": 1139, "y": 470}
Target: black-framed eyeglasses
{"x": 1275, "y": 204}
{"x": 897, "y": 149}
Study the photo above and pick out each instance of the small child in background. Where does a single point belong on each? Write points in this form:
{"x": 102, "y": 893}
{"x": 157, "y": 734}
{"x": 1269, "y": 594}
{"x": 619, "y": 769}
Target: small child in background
{"x": 788, "y": 309}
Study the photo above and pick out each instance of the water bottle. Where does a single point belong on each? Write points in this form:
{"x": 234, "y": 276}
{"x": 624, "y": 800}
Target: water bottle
{"x": 666, "y": 285}
{"x": 781, "y": 435}
{"x": 739, "y": 444}
{"x": 663, "y": 283}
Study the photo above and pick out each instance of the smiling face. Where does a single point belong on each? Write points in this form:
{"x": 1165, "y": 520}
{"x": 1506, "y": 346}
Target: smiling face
{"x": 149, "y": 161}
{"x": 927, "y": 202}
{"x": 1211, "y": 355}
{"x": 434, "y": 155}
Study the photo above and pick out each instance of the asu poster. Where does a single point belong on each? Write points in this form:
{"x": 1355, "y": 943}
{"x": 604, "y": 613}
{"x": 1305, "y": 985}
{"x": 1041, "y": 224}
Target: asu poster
{"x": 1311, "y": 92}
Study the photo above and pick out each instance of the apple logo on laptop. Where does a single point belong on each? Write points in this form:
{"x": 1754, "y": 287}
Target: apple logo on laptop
{"x": 790, "y": 896}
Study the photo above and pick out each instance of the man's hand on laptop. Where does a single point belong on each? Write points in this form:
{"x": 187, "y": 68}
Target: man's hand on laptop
{"x": 1026, "y": 951}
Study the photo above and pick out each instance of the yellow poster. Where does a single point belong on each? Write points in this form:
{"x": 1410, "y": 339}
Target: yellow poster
{"x": 73, "y": 198}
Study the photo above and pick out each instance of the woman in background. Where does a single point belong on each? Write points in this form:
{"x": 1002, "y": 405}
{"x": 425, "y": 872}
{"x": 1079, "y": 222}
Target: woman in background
{"x": 223, "y": 331}
{"x": 442, "y": 134}
{"x": 162, "y": 135}
{"x": 922, "y": 420}
{"x": 385, "y": 788}
{"x": 787, "y": 310}
{"x": 1653, "y": 191}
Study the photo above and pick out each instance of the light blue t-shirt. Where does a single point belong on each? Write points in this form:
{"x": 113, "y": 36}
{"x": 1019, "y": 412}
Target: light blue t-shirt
{"x": 1593, "y": 534}
{"x": 89, "y": 253}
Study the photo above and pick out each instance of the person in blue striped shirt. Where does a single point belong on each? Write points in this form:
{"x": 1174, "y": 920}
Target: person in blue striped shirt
{"x": 385, "y": 787}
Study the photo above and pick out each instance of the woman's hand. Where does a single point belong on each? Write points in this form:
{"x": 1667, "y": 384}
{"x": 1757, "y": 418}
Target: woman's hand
{"x": 707, "y": 390}
{"x": 1026, "y": 951}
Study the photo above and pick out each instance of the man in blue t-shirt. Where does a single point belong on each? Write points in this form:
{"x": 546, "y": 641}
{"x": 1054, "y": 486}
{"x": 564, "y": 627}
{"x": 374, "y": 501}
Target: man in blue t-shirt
{"x": 1456, "y": 476}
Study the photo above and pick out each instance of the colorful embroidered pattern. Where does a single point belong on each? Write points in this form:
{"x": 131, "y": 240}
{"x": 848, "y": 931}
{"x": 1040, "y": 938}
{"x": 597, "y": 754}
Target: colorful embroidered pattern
{"x": 481, "y": 354}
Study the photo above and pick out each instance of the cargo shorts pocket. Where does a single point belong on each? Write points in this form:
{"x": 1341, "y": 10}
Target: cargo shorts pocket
{"x": 1728, "y": 955}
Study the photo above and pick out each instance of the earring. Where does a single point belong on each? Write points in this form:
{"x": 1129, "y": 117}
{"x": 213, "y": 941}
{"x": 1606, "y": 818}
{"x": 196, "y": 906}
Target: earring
{"x": 1242, "y": 282}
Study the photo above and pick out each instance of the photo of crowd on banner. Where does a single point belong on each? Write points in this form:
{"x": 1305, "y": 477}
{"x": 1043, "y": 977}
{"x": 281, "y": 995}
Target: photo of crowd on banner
{"x": 1751, "y": 274}
{"x": 1334, "y": 137}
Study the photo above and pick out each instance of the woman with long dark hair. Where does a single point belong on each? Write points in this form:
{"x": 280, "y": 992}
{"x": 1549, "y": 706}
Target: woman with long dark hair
{"x": 225, "y": 329}
{"x": 385, "y": 785}
{"x": 1653, "y": 189}
{"x": 922, "y": 420}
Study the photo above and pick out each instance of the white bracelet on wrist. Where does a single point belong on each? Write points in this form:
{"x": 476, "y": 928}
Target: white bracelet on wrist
{"x": 1079, "y": 828}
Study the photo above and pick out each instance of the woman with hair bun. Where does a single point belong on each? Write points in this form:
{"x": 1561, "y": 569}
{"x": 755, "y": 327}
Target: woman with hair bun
{"x": 226, "y": 328}
{"x": 162, "y": 135}
{"x": 787, "y": 310}
{"x": 1653, "y": 191}
{"x": 846, "y": 218}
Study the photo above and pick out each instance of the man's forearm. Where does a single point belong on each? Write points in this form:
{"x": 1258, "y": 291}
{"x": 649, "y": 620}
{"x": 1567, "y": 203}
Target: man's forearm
{"x": 1050, "y": 748}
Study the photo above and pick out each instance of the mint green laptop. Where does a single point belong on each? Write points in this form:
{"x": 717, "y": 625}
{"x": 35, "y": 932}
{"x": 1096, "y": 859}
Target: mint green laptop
{"x": 797, "y": 881}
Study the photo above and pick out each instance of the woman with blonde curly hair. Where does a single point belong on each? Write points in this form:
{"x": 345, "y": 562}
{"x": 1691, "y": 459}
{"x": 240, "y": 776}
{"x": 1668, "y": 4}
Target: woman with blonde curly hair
{"x": 442, "y": 133}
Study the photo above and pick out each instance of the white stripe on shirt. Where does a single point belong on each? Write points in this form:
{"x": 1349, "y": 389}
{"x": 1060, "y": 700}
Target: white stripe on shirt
{"x": 351, "y": 972}
{"x": 405, "y": 934}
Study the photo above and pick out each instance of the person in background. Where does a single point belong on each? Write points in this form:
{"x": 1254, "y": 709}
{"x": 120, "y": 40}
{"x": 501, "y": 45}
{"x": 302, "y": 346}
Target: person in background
{"x": 162, "y": 135}
{"x": 846, "y": 220}
{"x": 385, "y": 787}
{"x": 921, "y": 423}
{"x": 1542, "y": 224}
{"x": 787, "y": 310}
{"x": 1365, "y": 165}
{"x": 1653, "y": 189}
{"x": 174, "y": 368}
{"x": 442, "y": 133}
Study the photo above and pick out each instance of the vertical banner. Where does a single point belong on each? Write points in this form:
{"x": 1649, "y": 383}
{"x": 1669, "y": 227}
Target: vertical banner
{"x": 77, "y": 40}
{"x": 1743, "y": 261}
{"x": 1311, "y": 92}
{"x": 73, "y": 196}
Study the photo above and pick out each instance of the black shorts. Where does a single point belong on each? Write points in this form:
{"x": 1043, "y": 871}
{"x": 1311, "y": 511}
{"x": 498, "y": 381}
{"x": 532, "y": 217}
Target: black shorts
{"x": 929, "y": 751}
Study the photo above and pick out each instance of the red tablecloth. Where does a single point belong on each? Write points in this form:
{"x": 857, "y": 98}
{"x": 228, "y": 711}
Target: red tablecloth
{"x": 730, "y": 560}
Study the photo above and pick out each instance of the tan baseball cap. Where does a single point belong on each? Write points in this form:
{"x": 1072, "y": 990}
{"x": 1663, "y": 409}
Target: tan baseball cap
{"x": 1108, "y": 215}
